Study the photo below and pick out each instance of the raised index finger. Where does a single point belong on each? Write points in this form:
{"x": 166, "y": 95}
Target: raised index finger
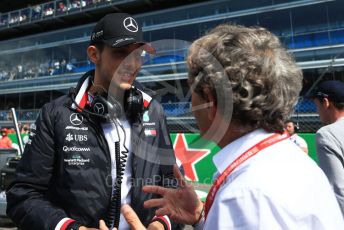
{"x": 179, "y": 176}
{"x": 132, "y": 218}
{"x": 152, "y": 203}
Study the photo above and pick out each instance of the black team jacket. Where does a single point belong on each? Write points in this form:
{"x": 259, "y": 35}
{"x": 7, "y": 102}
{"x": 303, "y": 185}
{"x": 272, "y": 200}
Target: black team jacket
{"x": 65, "y": 170}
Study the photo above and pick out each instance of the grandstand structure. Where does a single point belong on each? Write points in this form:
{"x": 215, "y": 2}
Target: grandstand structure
{"x": 43, "y": 47}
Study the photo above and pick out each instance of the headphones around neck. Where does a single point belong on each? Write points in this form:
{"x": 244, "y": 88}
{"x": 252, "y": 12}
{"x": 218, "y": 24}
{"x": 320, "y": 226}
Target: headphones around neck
{"x": 296, "y": 127}
{"x": 106, "y": 107}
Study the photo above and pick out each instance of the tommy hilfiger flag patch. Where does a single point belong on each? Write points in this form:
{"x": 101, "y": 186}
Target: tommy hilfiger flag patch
{"x": 146, "y": 99}
{"x": 150, "y": 132}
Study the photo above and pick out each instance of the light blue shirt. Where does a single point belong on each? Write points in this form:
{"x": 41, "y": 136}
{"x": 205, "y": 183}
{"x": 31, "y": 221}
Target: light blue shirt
{"x": 279, "y": 188}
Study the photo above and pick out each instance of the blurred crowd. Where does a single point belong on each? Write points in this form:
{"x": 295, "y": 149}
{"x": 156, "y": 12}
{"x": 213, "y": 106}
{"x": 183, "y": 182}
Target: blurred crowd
{"x": 48, "y": 9}
{"x": 32, "y": 69}
{"x": 24, "y": 115}
{"x": 6, "y": 142}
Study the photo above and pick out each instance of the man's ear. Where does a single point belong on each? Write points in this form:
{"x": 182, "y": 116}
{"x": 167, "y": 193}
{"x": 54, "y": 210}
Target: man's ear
{"x": 326, "y": 103}
{"x": 209, "y": 97}
{"x": 93, "y": 54}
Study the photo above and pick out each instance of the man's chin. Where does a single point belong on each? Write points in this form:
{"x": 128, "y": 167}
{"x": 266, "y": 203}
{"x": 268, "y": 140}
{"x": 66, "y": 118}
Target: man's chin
{"x": 125, "y": 85}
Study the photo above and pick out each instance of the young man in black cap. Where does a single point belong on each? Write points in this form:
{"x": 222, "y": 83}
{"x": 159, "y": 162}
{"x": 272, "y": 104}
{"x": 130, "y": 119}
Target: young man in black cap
{"x": 329, "y": 100}
{"x": 70, "y": 174}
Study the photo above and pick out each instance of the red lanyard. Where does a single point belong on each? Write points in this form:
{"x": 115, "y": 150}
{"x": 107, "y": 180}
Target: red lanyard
{"x": 238, "y": 161}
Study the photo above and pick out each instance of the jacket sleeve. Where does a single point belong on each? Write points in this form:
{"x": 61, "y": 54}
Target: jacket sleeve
{"x": 27, "y": 196}
{"x": 167, "y": 160}
{"x": 165, "y": 153}
{"x": 331, "y": 162}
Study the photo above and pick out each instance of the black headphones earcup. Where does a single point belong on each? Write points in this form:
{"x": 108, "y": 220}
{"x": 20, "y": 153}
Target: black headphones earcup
{"x": 101, "y": 106}
{"x": 296, "y": 127}
{"x": 133, "y": 103}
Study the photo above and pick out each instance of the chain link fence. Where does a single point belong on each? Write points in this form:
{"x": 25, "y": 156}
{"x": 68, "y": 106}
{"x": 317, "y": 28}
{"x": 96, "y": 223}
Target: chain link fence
{"x": 306, "y": 117}
{"x": 181, "y": 120}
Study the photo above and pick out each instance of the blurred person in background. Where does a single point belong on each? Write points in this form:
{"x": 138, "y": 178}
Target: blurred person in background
{"x": 25, "y": 129}
{"x": 328, "y": 97}
{"x": 263, "y": 180}
{"x": 294, "y": 137}
{"x": 5, "y": 141}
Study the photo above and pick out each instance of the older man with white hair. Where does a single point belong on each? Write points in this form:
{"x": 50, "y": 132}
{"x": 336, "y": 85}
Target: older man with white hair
{"x": 245, "y": 85}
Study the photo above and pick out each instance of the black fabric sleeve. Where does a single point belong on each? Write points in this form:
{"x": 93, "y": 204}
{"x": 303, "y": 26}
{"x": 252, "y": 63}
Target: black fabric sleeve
{"x": 167, "y": 157}
{"x": 27, "y": 203}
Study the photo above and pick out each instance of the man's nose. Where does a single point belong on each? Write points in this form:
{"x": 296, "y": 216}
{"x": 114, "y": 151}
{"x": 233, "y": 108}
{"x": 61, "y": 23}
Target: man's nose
{"x": 133, "y": 60}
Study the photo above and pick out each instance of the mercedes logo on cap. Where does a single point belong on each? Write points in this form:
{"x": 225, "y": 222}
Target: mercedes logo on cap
{"x": 76, "y": 119}
{"x": 99, "y": 108}
{"x": 130, "y": 24}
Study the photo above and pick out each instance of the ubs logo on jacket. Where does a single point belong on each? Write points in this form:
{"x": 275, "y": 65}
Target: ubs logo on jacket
{"x": 75, "y": 137}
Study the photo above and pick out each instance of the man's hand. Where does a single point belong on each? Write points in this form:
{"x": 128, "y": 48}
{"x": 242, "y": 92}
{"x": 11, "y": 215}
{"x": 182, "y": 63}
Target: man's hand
{"x": 181, "y": 205}
{"x": 102, "y": 226}
{"x": 131, "y": 217}
{"x": 134, "y": 221}
{"x": 85, "y": 228}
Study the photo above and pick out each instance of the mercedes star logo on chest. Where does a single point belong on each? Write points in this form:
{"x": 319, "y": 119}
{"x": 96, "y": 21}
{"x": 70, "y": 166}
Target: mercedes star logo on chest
{"x": 76, "y": 119}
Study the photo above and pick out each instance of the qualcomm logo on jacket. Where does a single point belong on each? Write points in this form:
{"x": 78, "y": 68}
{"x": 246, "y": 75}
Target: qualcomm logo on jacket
{"x": 75, "y": 149}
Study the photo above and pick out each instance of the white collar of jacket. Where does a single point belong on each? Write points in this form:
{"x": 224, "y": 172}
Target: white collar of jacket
{"x": 82, "y": 96}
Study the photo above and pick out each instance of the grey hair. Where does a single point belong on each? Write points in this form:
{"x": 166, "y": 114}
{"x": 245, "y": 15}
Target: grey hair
{"x": 262, "y": 77}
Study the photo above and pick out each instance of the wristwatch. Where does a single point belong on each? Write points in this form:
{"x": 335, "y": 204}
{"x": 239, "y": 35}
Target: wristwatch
{"x": 73, "y": 226}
